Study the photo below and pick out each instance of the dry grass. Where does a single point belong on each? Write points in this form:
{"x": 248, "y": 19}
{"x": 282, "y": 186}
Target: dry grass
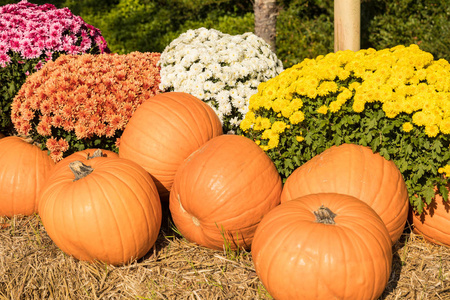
{"x": 32, "y": 267}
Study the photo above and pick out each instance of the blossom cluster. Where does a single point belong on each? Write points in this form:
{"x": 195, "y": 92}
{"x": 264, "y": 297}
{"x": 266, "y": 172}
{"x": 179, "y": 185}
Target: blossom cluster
{"x": 79, "y": 98}
{"x": 403, "y": 80}
{"x": 401, "y": 94}
{"x": 220, "y": 69}
{"x": 30, "y": 36}
{"x": 34, "y": 30}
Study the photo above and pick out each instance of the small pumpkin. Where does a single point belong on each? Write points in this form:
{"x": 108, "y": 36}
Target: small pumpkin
{"x": 323, "y": 246}
{"x": 24, "y": 167}
{"x": 107, "y": 210}
{"x": 164, "y": 131}
{"x": 355, "y": 170}
{"x": 222, "y": 191}
{"x": 434, "y": 222}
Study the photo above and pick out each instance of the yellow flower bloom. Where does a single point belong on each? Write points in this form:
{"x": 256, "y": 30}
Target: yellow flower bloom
{"x": 431, "y": 130}
{"x": 278, "y": 126}
{"x": 296, "y": 104}
{"x": 407, "y": 127}
{"x": 322, "y": 110}
{"x": 335, "y": 106}
{"x": 299, "y": 138}
{"x": 444, "y": 126}
{"x": 273, "y": 143}
{"x": 296, "y": 117}
{"x": 358, "y": 106}
{"x": 246, "y": 124}
{"x": 419, "y": 118}
{"x": 278, "y": 104}
{"x": 287, "y": 111}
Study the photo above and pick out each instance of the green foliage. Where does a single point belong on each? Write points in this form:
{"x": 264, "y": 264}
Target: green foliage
{"x": 133, "y": 25}
{"x": 304, "y": 30}
{"x": 422, "y": 22}
{"x": 11, "y": 79}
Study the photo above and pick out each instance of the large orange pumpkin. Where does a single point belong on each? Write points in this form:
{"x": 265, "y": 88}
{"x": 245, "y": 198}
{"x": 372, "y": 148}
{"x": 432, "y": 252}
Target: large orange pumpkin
{"x": 323, "y": 246}
{"x": 163, "y": 131}
{"x": 24, "y": 167}
{"x": 106, "y": 210}
{"x": 222, "y": 191}
{"x": 434, "y": 222}
{"x": 357, "y": 171}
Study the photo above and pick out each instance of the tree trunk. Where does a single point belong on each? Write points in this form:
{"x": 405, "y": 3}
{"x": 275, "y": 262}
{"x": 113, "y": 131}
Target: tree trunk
{"x": 266, "y": 12}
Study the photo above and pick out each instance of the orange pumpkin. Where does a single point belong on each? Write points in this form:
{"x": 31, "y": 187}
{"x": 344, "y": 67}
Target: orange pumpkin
{"x": 434, "y": 222}
{"x": 24, "y": 167}
{"x": 323, "y": 246}
{"x": 163, "y": 131}
{"x": 222, "y": 191}
{"x": 106, "y": 210}
{"x": 84, "y": 156}
{"x": 357, "y": 171}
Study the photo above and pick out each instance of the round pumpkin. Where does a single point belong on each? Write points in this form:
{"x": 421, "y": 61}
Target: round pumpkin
{"x": 24, "y": 167}
{"x": 164, "y": 131}
{"x": 323, "y": 246}
{"x": 434, "y": 222}
{"x": 106, "y": 210}
{"x": 222, "y": 191}
{"x": 355, "y": 170}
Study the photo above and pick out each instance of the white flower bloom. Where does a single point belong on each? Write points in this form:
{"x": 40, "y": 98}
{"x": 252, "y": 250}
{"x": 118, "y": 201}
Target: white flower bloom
{"x": 207, "y": 85}
{"x": 221, "y": 69}
{"x": 235, "y": 121}
{"x": 225, "y": 108}
{"x": 238, "y": 102}
{"x": 223, "y": 97}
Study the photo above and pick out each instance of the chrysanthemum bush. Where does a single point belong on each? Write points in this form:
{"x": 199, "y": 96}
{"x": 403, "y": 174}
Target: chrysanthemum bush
{"x": 222, "y": 70}
{"x": 396, "y": 101}
{"x": 31, "y": 35}
{"x": 84, "y": 101}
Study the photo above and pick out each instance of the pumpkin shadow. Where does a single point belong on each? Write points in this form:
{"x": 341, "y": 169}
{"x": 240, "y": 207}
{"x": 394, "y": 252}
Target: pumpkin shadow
{"x": 397, "y": 262}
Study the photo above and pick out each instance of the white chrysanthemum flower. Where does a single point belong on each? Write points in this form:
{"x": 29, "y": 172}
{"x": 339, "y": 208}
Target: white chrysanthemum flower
{"x": 221, "y": 69}
{"x": 225, "y": 108}
{"x": 223, "y": 97}
{"x": 235, "y": 121}
{"x": 238, "y": 102}
{"x": 207, "y": 85}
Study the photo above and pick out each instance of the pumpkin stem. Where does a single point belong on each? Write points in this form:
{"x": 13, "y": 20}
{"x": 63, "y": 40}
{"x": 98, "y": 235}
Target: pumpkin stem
{"x": 80, "y": 170}
{"x": 324, "y": 215}
{"x": 97, "y": 153}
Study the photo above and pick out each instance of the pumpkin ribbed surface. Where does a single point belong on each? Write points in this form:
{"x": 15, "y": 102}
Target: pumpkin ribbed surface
{"x": 357, "y": 171}
{"x": 24, "y": 167}
{"x": 323, "y": 246}
{"x": 222, "y": 191}
{"x": 434, "y": 222}
{"x": 166, "y": 129}
{"x": 113, "y": 214}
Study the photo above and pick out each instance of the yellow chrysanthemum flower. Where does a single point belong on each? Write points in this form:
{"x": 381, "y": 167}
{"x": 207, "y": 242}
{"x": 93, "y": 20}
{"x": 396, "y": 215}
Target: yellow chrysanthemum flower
{"x": 358, "y": 106}
{"x": 407, "y": 127}
{"x": 322, "y": 110}
{"x": 431, "y": 130}
{"x": 278, "y": 126}
{"x": 299, "y": 138}
{"x": 296, "y": 117}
